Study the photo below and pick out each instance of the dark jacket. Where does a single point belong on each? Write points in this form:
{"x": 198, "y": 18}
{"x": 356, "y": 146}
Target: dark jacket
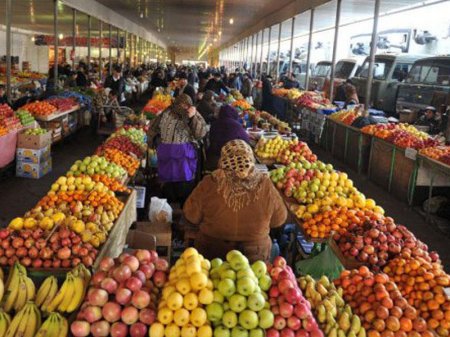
{"x": 116, "y": 85}
{"x": 81, "y": 79}
{"x": 247, "y": 87}
{"x": 216, "y": 86}
{"x": 158, "y": 82}
{"x": 188, "y": 90}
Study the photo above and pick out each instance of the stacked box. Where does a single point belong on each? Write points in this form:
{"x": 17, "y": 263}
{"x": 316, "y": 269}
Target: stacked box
{"x": 33, "y": 155}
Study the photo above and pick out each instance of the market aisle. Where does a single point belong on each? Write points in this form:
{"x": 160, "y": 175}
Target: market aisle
{"x": 433, "y": 237}
{"x": 17, "y": 195}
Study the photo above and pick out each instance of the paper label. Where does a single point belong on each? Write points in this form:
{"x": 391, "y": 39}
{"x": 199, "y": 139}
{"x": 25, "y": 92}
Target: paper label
{"x": 447, "y": 293}
{"x": 411, "y": 153}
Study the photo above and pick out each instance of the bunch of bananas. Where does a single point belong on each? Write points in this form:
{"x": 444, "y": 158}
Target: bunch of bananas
{"x": 25, "y": 323}
{"x": 47, "y": 291}
{"x": 54, "y": 326}
{"x": 5, "y": 321}
{"x": 71, "y": 294}
{"x": 19, "y": 289}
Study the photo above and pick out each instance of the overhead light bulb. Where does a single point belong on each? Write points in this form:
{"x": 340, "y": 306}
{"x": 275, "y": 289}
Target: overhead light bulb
{"x": 142, "y": 15}
{"x": 61, "y": 36}
{"x": 220, "y": 33}
{"x": 231, "y": 21}
{"x": 33, "y": 38}
{"x": 215, "y": 39}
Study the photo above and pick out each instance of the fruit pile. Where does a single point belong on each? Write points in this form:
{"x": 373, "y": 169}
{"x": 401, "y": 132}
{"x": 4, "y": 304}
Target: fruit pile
{"x": 422, "y": 283}
{"x": 292, "y": 94}
{"x": 270, "y": 148}
{"x": 129, "y": 163}
{"x": 439, "y": 153}
{"x": 136, "y": 135}
{"x": 346, "y": 117}
{"x": 334, "y": 315}
{"x": 314, "y": 101}
{"x": 97, "y": 164}
{"x": 340, "y": 220}
{"x": 40, "y": 108}
{"x": 10, "y": 123}
{"x": 5, "y": 111}
{"x": 242, "y": 105}
{"x": 402, "y": 135}
{"x": 380, "y": 305}
{"x": 63, "y": 249}
{"x": 292, "y": 311}
{"x": 158, "y": 103}
{"x": 25, "y": 117}
{"x": 239, "y": 306}
{"x": 123, "y": 296}
{"x": 185, "y": 297}
{"x": 62, "y": 104}
{"x": 124, "y": 144}
{"x": 295, "y": 152}
{"x": 35, "y": 132}
{"x": 112, "y": 184}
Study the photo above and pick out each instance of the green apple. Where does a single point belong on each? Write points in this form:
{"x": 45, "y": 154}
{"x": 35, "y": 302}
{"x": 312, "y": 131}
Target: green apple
{"x": 218, "y": 297}
{"x": 229, "y": 273}
{"x": 258, "y": 332}
{"x": 238, "y": 303}
{"x": 226, "y": 287}
{"x": 239, "y": 331}
{"x": 248, "y": 319}
{"x": 259, "y": 268}
{"x": 215, "y": 263}
{"x": 265, "y": 319}
{"x": 238, "y": 262}
{"x": 246, "y": 286}
{"x": 233, "y": 253}
{"x": 265, "y": 282}
{"x": 214, "y": 274}
{"x": 216, "y": 283}
{"x": 214, "y": 312}
{"x": 229, "y": 319}
{"x": 245, "y": 272}
{"x": 226, "y": 306}
{"x": 221, "y": 331}
{"x": 256, "y": 301}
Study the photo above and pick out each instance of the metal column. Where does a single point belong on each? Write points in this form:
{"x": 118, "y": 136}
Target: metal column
{"x": 55, "y": 33}
{"x": 308, "y": 55}
{"x": 278, "y": 52}
{"x": 118, "y": 46}
{"x": 268, "y": 52}
{"x": 335, "y": 46}
{"x": 251, "y": 56}
{"x": 110, "y": 49}
{"x": 8, "y": 49}
{"x": 261, "y": 56}
{"x": 89, "y": 43}
{"x": 373, "y": 47}
{"x": 100, "y": 61}
{"x": 291, "y": 58}
{"x": 74, "y": 35}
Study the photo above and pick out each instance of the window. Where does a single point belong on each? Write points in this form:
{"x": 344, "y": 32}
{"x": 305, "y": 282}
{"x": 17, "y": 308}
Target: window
{"x": 401, "y": 71}
{"x": 344, "y": 69}
{"x": 381, "y": 69}
{"x": 430, "y": 72}
{"x": 322, "y": 69}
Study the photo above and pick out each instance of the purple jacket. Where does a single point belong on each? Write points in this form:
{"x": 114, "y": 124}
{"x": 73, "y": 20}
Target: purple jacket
{"x": 225, "y": 129}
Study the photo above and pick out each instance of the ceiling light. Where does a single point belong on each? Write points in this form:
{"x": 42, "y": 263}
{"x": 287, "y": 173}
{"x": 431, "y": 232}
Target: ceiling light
{"x": 220, "y": 33}
{"x": 215, "y": 39}
{"x": 231, "y": 21}
{"x": 33, "y": 38}
{"x": 61, "y": 36}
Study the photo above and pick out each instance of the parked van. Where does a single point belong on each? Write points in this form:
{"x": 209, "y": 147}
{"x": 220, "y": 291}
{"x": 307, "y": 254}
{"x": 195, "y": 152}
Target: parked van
{"x": 389, "y": 70}
{"x": 345, "y": 68}
{"x": 428, "y": 83}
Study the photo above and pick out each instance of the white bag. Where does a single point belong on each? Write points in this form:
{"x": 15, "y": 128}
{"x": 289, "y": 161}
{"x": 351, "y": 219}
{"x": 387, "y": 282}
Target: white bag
{"x": 249, "y": 99}
{"x": 160, "y": 211}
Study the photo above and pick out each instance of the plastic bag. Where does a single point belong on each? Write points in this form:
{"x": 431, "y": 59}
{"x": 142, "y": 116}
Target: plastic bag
{"x": 324, "y": 263}
{"x": 249, "y": 100}
{"x": 160, "y": 211}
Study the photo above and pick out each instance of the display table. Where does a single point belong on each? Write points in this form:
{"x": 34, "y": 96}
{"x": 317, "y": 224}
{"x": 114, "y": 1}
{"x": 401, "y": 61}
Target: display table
{"x": 57, "y": 114}
{"x": 8, "y": 144}
{"x": 113, "y": 246}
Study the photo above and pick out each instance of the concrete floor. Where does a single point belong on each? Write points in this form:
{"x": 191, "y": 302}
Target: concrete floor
{"x": 431, "y": 235}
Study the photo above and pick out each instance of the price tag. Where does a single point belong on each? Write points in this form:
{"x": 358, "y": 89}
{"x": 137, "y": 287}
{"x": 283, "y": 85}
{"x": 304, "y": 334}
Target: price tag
{"x": 447, "y": 293}
{"x": 411, "y": 153}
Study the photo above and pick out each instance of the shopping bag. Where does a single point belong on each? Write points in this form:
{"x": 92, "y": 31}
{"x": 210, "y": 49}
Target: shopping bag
{"x": 324, "y": 263}
{"x": 159, "y": 211}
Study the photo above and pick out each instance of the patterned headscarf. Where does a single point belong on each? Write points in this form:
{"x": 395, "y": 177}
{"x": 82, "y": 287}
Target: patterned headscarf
{"x": 177, "y": 107}
{"x": 237, "y": 179}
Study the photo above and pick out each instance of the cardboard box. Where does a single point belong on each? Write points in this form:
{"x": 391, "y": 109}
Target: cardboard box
{"x": 140, "y": 240}
{"x": 407, "y": 116}
{"x": 33, "y": 156}
{"x": 34, "y": 142}
{"x": 34, "y": 171}
{"x": 163, "y": 236}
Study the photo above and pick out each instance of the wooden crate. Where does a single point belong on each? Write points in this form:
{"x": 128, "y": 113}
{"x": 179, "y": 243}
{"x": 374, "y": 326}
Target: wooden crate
{"x": 347, "y": 262}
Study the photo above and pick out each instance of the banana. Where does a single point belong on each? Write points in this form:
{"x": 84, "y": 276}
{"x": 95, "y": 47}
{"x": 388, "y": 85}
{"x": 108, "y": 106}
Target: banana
{"x": 12, "y": 328}
{"x": 12, "y": 292}
{"x": 63, "y": 326}
{"x": 33, "y": 322}
{"x": 13, "y": 273}
{"x": 44, "y": 329}
{"x": 25, "y": 321}
{"x": 22, "y": 295}
{"x": 5, "y": 320}
{"x": 52, "y": 293}
{"x": 62, "y": 307}
{"x": 78, "y": 294}
{"x": 2, "y": 288}
{"x": 2, "y": 276}
{"x": 31, "y": 289}
{"x": 53, "y": 329}
{"x": 59, "y": 297}
{"x": 44, "y": 290}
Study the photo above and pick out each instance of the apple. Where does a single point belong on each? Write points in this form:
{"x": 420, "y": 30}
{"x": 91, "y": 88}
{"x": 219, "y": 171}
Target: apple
{"x": 123, "y": 296}
{"x": 316, "y": 332}
{"x": 238, "y": 262}
{"x": 266, "y": 319}
{"x": 309, "y": 323}
{"x": 272, "y": 333}
{"x": 259, "y": 268}
{"x": 237, "y": 303}
{"x": 256, "y": 302}
{"x": 215, "y": 263}
{"x": 280, "y": 262}
{"x": 284, "y": 284}
{"x": 248, "y": 319}
{"x": 214, "y": 312}
{"x": 293, "y": 295}
{"x": 97, "y": 297}
{"x": 100, "y": 329}
{"x": 229, "y": 319}
{"x": 246, "y": 286}
{"x": 274, "y": 292}
{"x": 301, "y": 333}
{"x": 228, "y": 273}
{"x": 147, "y": 316}
{"x": 226, "y": 287}
{"x": 218, "y": 297}
{"x": 265, "y": 282}
{"x": 258, "y": 332}
{"x": 294, "y": 323}
{"x": 286, "y": 310}
{"x": 238, "y": 331}
{"x": 221, "y": 331}
{"x": 92, "y": 313}
{"x": 301, "y": 310}
{"x": 287, "y": 332}
{"x": 274, "y": 272}
{"x": 279, "y": 322}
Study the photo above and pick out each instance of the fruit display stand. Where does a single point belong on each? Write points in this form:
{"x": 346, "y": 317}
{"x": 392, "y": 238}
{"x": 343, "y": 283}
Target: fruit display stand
{"x": 347, "y": 144}
{"x": 348, "y": 263}
{"x": 398, "y": 171}
{"x": 117, "y": 237}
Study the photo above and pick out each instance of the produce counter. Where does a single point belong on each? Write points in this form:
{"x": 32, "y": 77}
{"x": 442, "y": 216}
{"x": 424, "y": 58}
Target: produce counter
{"x": 117, "y": 236}
{"x": 63, "y": 123}
{"x": 58, "y": 114}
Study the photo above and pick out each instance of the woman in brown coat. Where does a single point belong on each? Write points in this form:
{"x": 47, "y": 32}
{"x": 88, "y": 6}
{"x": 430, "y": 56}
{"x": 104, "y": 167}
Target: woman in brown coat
{"x": 235, "y": 207}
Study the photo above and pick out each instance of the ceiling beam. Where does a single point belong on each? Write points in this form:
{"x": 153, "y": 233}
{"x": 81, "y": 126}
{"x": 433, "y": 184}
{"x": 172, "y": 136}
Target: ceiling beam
{"x": 109, "y": 16}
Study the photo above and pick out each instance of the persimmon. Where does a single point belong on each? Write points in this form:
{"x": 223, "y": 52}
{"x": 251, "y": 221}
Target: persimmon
{"x": 387, "y": 302}
{"x": 382, "y": 312}
{"x": 406, "y": 324}
{"x": 432, "y": 323}
{"x": 401, "y": 333}
{"x": 393, "y": 323}
{"x": 379, "y": 324}
{"x": 396, "y": 312}
{"x": 387, "y": 333}
{"x": 432, "y": 304}
{"x": 374, "y": 333}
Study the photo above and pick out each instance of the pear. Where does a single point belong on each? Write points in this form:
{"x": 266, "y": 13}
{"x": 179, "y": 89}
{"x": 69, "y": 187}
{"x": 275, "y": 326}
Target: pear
{"x": 324, "y": 281}
{"x": 333, "y": 333}
{"x": 321, "y": 313}
{"x": 341, "y": 333}
{"x": 356, "y": 324}
{"x": 344, "y": 321}
{"x": 362, "y": 332}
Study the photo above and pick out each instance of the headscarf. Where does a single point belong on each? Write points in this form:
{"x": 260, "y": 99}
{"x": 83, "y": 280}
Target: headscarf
{"x": 238, "y": 181}
{"x": 177, "y": 108}
{"x": 208, "y": 95}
